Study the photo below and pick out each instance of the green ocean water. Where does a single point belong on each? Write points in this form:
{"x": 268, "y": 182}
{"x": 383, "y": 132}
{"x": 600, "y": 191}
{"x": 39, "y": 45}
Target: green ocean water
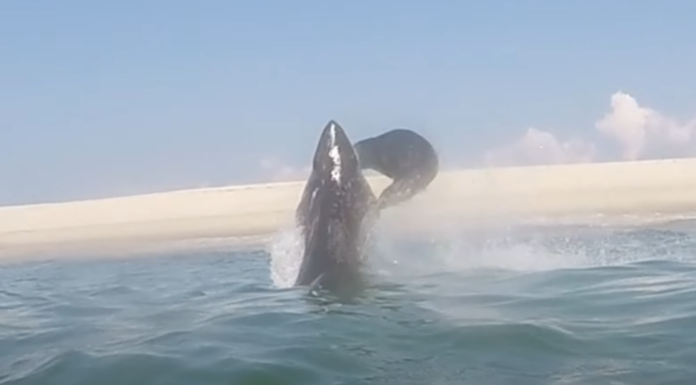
{"x": 553, "y": 305}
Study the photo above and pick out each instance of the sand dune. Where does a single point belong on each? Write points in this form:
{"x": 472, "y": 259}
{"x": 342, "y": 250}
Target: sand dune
{"x": 255, "y": 211}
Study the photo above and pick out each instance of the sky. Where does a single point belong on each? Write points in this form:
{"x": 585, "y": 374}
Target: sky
{"x": 102, "y": 99}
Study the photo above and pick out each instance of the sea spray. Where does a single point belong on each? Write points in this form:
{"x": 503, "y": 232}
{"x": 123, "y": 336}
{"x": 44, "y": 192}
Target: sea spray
{"x": 285, "y": 251}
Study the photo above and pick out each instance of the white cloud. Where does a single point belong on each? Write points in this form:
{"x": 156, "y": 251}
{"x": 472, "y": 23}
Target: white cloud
{"x": 642, "y": 131}
{"x": 274, "y": 170}
{"x": 541, "y": 147}
{"x": 639, "y": 131}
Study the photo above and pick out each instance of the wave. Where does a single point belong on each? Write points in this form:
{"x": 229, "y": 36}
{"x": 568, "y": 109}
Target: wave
{"x": 524, "y": 305}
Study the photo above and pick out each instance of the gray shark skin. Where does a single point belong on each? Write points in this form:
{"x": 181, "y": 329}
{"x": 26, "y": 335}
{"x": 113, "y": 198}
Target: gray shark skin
{"x": 335, "y": 215}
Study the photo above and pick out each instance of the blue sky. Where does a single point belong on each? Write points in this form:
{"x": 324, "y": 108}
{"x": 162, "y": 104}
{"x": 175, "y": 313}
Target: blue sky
{"x": 107, "y": 98}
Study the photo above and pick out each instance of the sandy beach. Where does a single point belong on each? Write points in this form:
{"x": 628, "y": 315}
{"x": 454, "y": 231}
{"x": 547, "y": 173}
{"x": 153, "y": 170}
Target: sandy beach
{"x": 247, "y": 215}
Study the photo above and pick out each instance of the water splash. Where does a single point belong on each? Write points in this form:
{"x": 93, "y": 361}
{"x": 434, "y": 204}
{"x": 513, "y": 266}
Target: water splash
{"x": 513, "y": 249}
{"x": 505, "y": 254}
{"x": 530, "y": 250}
{"x": 449, "y": 254}
{"x": 285, "y": 251}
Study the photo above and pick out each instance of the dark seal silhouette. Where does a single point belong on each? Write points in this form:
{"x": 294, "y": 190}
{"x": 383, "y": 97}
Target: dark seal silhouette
{"x": 404, "y": 156}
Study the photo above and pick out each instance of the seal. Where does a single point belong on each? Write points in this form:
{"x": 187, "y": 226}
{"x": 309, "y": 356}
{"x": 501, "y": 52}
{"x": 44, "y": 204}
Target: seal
{"x": 335, "y": 214}
{"x": 404, "y": 156}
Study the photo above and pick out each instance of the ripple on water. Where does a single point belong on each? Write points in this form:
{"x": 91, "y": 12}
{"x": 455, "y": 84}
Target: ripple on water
{"x": 618, "y": 310}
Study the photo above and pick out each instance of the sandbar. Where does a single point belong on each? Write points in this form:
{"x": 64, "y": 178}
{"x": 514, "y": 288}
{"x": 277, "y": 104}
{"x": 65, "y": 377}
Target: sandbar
{"x": 248, "y": 215}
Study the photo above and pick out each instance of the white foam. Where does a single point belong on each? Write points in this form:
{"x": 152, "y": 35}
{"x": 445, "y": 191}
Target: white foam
{"x": 285, "y": 251}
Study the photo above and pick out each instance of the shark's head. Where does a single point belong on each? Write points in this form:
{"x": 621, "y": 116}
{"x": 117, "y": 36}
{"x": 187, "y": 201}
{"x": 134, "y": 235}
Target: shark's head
{"x": 336, "y": 200}
{"x": 335, "y": 160}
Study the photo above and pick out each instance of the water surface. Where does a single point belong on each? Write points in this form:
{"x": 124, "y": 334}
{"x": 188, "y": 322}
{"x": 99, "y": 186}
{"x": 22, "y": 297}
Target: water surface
{"x": 567, "y": 305}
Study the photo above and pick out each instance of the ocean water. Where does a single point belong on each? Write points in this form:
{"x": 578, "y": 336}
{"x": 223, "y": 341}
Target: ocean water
{"x": 554, "y": 305}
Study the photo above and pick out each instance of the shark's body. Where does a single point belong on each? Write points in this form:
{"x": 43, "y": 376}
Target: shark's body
{"x": 335, "y": 214}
